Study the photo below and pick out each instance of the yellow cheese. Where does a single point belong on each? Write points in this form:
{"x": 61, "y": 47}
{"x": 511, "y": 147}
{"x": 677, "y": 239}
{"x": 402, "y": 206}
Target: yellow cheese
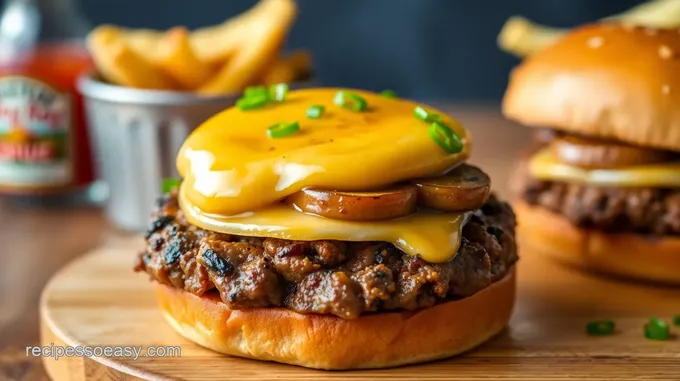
{"x": 230, "y": 165}
{"x": 545, "y": 166}
{"x": 434, "y": 237}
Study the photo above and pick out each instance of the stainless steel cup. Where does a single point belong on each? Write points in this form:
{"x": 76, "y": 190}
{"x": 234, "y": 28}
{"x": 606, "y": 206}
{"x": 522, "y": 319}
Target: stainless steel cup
{"x": 136, "y": 135}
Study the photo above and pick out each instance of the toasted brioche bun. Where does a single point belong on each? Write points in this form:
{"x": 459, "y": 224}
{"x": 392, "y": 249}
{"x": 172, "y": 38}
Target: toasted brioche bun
{"x": 326, "y": 342}
{"x": 603, "y": 80}
{"x": 626, "y": 255}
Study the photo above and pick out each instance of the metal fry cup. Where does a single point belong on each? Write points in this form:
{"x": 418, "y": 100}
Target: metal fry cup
{"x": 136, "y": 135}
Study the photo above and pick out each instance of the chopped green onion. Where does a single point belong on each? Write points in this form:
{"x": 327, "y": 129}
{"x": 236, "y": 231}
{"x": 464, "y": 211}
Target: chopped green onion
{"x": 283, "y": 129}
{"x": 426, "y": 116}
{"x": 445, "y": 138}
{"x": 256, "y": 91}
{"x": 252, "y": 102}
{"x": 421, "y": 113}
{"x": 350, "y": 101}
{"x": 657, "y": 329}
{"x": 169, "y": 184}
{"x": 388, "y": 94}
{"x": 600, "y": 327}
{"x": 315, "y": 112}
{"x": 676, "y": 320}
{"x": 279, "y": 92}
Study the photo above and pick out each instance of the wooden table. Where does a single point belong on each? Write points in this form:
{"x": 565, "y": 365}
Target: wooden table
{"x": 36, "y": 243}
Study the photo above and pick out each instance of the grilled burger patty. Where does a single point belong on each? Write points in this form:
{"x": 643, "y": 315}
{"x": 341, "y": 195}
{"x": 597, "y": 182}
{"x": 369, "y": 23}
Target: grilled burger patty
{"x": 623, "y": 210}
{"x": 338, "y": 278}
{"x": 609, "y": 209}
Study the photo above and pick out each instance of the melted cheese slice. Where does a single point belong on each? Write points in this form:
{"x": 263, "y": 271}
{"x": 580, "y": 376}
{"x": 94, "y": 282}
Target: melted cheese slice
{"x": 545, "y": 166}
{"x": 434, "y": 237}
{"x": 230, "y": 165}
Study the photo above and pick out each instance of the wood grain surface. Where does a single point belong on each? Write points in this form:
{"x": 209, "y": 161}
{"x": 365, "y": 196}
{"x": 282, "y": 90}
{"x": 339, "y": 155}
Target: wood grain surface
{"x": 99, "y": 301}
{"x": 546, "y": 337}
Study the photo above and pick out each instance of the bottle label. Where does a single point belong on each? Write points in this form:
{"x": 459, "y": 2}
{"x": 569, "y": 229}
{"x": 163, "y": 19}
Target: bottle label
{"x": 35, "y": 140}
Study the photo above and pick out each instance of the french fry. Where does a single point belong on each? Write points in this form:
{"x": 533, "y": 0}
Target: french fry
{"x": 219, "y": 59}
{"x": 281, "y": 71}
{"x": 265, "y": 36}
{"x": 655, "y": 14}
{"x": 121, "y": 65}
{"x": 175, "y": 56}
{"x": 294, "y": 66}
{"x": 523, "y": 37}
{"x": 216, "y": 44}
{"x": 144, "y": 41}
{"x": 301, "y": 61}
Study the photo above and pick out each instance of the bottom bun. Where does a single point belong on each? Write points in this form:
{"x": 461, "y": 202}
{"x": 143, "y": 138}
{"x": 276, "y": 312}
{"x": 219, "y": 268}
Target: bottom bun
{"x": 635, "y": 256}
{"x": 326, "y": 342}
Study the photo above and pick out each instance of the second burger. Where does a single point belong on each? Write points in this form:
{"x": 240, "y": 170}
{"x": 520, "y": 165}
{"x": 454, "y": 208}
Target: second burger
{"x": 601, "y": 189}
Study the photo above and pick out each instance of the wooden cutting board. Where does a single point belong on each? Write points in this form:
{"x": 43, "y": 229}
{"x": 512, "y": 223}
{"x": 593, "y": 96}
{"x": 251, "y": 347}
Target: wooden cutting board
{"x": 97, "y": 300}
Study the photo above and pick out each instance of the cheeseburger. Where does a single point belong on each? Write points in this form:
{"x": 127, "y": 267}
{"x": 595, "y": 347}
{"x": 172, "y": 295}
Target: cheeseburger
{"x": 332, "y": 229}
{"x": 600, "y": 189}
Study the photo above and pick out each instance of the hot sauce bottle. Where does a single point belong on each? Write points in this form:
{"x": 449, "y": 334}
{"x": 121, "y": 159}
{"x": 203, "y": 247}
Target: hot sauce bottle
{"x": 44, "y": 148}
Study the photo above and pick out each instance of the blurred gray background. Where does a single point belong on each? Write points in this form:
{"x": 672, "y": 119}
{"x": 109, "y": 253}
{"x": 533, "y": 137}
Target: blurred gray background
{"x": 427, "y": 49}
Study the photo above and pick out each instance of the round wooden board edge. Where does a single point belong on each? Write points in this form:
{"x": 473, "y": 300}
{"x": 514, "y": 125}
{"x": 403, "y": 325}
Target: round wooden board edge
{"x": 81, "y": 367}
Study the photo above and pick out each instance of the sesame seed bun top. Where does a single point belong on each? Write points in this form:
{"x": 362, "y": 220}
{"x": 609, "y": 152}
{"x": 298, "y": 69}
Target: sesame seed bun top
{"x": 603, "y": 80}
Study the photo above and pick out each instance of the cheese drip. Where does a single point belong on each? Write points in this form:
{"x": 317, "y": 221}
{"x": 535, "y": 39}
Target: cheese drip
{"x": 545, "y": 166}
{"x": 231, "y": 166}
{"x": 435, "y": 237}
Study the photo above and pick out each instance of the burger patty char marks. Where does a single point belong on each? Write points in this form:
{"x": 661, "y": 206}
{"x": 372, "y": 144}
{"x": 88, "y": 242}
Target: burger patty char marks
{"x": 339, "y": 278}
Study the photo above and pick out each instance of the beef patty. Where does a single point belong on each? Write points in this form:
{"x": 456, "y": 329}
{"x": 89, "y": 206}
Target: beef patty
{"x": 622, "y": 210}
{"x": 339, "y": 278}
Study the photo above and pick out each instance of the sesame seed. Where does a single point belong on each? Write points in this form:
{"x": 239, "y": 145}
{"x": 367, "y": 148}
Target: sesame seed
{"x": 595, "y": 42}
{"x": 665, "y": 52}
{"x": 666, "y": 89}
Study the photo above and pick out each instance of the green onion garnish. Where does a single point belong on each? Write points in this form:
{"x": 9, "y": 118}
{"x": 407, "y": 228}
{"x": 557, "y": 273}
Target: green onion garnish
{"x": 657, "y": 329}
{"x": 388, "y": 94}
{"x": 169, "y": 184}
{"x": 445, "y": 138}
{"x": 279, "y": 92}
{"x": 283, "y": 129}
{"x": 256, "y": 91}
{"x": 252, "y": 102}
{"x": 600, "y": 327}
{"x": 676, "y": 320}
{"x": 350, "y": 101}
{"x": 426, "y": 116}
{"x": 421, "y": 113}
{"x": 315, "y": 112}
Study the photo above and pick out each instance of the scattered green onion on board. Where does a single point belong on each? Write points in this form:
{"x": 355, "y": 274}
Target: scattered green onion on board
{"x": 253, "y": 102}
{"x": 657, "y": 329}
{"x": 169, "y": 184}
{"x": 279, "y": 92}
{"x": 600, "y": 327}
{"x": 676, "y": 320}
{"x": 388, "y": 94}
{"x": 350, "y": 101}
{"x": 283, "y": 129}
{"x": 315, "y": 112}
{"x": 445, "y": 138}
